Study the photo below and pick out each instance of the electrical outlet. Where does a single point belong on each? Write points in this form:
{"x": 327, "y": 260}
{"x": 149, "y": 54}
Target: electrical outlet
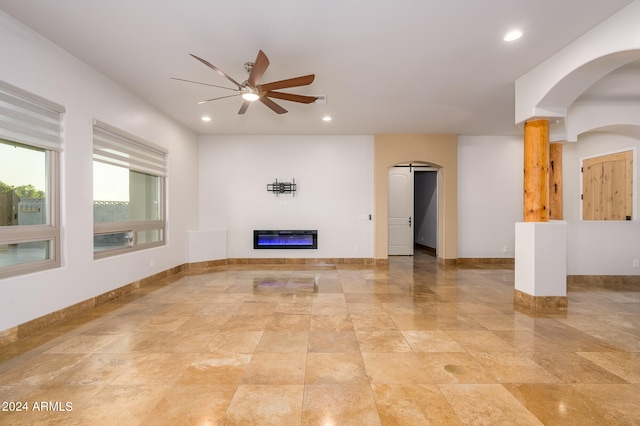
{"x": 355, "y": 249}
{"x": 505, "y": 249}
{"x": 636, "y": 263}
{"x": 152, "y": 263}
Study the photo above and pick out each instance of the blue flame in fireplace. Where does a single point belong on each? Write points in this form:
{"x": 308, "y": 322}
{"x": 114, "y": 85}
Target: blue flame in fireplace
{"x": 285, "y": 239}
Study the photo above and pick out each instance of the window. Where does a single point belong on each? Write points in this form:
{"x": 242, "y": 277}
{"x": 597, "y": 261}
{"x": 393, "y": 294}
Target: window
{"x": 128, "y": 192}
{"x": 30, "y": 144}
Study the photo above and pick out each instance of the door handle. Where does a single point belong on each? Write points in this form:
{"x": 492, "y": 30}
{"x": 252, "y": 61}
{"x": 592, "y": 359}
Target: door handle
{"x": 409, "y": 221}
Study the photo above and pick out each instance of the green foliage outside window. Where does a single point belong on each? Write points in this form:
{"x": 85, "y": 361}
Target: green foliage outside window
{"x": 22, "y": 191}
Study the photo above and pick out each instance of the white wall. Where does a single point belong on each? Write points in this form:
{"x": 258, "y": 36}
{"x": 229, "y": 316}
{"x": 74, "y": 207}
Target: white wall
{"x": 34, "y": 64}
{"x": 598, "y": 248}
{"x": 490, "y": 195}
{"x": 334, "y": 177}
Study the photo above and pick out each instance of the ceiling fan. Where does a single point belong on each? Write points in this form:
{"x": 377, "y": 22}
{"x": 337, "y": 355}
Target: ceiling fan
{"x": 252, "y": 91}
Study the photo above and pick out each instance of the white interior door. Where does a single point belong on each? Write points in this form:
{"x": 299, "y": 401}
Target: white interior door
{"x": 400, "y": 211}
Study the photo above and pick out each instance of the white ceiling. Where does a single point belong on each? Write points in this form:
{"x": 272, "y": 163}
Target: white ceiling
{"x": 401, "y": 66}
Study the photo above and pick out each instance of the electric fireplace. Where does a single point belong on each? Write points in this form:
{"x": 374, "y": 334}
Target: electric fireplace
{"x": 285, "y": 239}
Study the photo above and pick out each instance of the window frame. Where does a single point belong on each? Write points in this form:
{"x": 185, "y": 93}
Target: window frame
{"x": 28, "y": 130}
{"x": 133, "y": 227}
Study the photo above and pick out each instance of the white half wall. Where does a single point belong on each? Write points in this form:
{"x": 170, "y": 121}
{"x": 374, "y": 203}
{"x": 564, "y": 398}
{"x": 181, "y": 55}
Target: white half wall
{"x": 334, "y": 178}
{"x": 595, "y": 247}
{"x": 32, "y": 63}
{"x": 603, "y": 248}
{"x": 490, "y": 195}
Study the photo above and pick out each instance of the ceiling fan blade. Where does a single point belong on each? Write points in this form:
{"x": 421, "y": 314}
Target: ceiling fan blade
{"x": 274, "y": 106}
{"x": 216, "y": 69}
{"x": 215, "y": 99}
{"x": 291, "y": 97}
{"x": 204, "y": 84}
{"x": 244, "y": 107}
{"x": 291, "y": 82}
{"x": 259, "y": 67}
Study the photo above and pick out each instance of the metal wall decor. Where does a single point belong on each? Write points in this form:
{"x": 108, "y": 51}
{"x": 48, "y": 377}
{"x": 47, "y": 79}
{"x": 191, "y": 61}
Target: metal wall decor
{"x": 282, "y": 187}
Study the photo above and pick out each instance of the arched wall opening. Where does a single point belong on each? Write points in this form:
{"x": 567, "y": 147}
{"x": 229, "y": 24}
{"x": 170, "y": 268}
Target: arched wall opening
{"x": 441, "y": 150}
{"x": 564, "y": 92}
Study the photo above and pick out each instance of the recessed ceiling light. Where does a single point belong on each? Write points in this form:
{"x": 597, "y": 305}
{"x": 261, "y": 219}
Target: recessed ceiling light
{"x": 206, "y": 118}
{"x": 326, "y": 118}
{"x": 513, "y": 35}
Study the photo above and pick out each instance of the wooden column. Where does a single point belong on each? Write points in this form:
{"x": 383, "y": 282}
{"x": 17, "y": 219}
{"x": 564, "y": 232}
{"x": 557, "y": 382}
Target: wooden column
{"x": 536, "y": 171}
{"x": 555, "y": 181}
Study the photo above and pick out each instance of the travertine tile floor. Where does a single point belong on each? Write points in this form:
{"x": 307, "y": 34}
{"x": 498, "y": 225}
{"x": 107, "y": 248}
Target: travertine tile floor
{"x": 416, "y": 344}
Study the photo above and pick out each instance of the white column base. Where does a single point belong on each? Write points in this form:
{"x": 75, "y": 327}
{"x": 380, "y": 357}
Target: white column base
{"x": 541, "y": 260}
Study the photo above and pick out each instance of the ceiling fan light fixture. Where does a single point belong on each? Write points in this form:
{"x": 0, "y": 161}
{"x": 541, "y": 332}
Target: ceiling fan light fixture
{"x": 513, "y": 35}
{"x": 250, "y": 96}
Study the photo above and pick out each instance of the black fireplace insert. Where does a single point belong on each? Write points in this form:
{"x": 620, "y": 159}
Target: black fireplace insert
{"x": 285, "y": 239}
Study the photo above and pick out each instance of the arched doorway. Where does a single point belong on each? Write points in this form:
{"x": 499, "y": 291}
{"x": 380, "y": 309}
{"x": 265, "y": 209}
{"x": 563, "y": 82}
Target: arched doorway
{"x": 392, "y": 149}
